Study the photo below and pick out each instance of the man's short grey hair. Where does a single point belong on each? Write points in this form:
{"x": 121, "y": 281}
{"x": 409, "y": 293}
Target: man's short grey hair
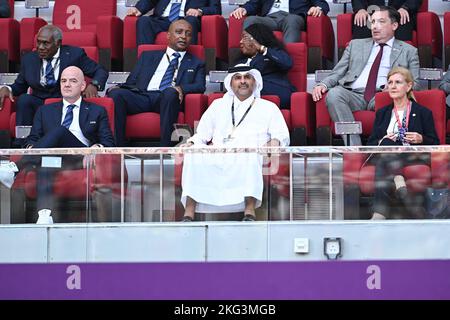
{"x": 56, "y": 32}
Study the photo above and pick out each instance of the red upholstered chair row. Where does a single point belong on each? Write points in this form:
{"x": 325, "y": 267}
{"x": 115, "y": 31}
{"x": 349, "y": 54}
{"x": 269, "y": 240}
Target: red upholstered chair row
{"x": 213, "y": 39}
{"x": 427, "y": 38}
{"x": 319, "y": 38}
{"x": 9, "y": 46}
{"x": 359, "y": 178}
{"x": 84, "y": 23}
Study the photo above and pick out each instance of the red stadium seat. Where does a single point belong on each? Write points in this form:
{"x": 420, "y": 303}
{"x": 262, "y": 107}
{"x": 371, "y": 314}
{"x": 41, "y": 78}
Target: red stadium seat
{"x": 447, "y": 38}
{"x": 325, "y": 126}
{"x": 319, "y": 38}
{"x": 214, "y": 40}
{"x": 146, "y": 125}
{"x": 359, "y": 179}
{"x": 84, "y": 23}
{"x": 427, "y": 38}
{"x": 9, "y": 46}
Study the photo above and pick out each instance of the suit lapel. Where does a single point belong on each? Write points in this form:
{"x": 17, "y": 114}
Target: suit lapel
{"x": 58, "y": 114}
{"x": 185, "y": 63}
{"x": 84, "y": 111}
{"x": 37, "y": 62}
{"x": 395, "y": 52}
{"x": 63, "y": 60}
{"x": 412, "y": 118}
{"x": 367, "y": 49}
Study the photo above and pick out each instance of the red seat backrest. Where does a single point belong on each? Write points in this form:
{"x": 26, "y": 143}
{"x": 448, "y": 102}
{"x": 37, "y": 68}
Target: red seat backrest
{"x": 67, "y": 12}
{"x": 424, "y": 6}
{"x": 11, "y": 8}
{"x": 105, "y": 102}
{"x": 299, "y": 70}
{"x": 194, "y": 49}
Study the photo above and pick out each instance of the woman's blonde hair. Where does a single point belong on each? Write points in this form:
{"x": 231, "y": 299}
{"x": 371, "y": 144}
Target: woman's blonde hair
{"x": 408, "y": 77}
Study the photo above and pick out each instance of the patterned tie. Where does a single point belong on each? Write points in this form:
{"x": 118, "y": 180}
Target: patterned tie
{"x": 168, "y": 76}
{"x": 49, "y": 73}
{"x": 373, "y": 75}
{"x": 174, "y": 11}
{"x": 69, "y": 116}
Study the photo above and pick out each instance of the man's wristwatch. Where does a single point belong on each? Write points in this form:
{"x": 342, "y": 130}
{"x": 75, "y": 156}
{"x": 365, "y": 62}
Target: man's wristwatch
{"x": 96, "y": 84}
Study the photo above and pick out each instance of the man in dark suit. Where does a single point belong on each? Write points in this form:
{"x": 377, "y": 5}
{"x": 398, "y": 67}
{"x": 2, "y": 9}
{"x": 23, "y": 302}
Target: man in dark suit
{"x": 165, "y": 12}
{"x": 159, "y": 82}
{"x": 284, "y": 15}
{"x": 41, "y": 69}
{"x": 72, "y": 123}
{"x": 406, "y": 8}
{"x": 4, "y": 9}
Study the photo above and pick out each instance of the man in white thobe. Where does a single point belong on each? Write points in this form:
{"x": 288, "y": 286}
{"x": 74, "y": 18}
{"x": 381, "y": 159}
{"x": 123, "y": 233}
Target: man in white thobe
{"x": 232, "y": 182}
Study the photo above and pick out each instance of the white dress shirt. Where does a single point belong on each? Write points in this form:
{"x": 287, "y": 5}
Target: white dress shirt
{"x": 280, "y": 5}
{"x": 155, "y": 81}
{"x": 393, "y": 124}
{"x": 385, "y": 66}
{"x": 75, "y": 125}
{"x": 167, "y": 10}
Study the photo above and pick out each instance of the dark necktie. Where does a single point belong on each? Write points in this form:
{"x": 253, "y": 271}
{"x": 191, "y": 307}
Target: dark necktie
{"x": 166, "y": 80}
{"x": 373, "y": 75}
{"x": 69, "y": 116}
{"x": 50, "y": 74}
{"x": 174, "y": 11}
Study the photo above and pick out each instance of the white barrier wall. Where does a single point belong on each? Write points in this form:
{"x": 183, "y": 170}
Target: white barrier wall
{"x": 226, "y": 241}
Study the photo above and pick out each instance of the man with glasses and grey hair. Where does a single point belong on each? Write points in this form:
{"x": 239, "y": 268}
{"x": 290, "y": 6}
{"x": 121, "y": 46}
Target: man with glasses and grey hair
{"x": 41, "y": 70}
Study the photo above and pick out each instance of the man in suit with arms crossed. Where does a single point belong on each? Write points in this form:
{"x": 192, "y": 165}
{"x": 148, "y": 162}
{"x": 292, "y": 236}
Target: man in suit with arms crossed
{"x": 71, "y": 123}
{"x": 363, "y": 69}
{"x": 159, "y": 82}
{"x": 40, "y": 71}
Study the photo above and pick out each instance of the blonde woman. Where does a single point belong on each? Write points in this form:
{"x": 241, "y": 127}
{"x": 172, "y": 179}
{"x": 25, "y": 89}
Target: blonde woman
{"x": 404, "y": 122}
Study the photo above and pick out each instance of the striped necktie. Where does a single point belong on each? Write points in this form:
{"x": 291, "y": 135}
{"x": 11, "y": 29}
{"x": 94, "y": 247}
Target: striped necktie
{"x": 69, "y": 116}
{"x": 50, "y": 73}
{"x": 174, "y": 11}
{"x": 168, "y": 76}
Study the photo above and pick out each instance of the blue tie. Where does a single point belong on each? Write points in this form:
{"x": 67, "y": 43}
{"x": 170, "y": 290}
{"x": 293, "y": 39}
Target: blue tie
{"x": 168, "y": 76}
{"x": 69, "y": 116}
{"x": 174, "y": 11}
{"x": 49, "y": 74}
